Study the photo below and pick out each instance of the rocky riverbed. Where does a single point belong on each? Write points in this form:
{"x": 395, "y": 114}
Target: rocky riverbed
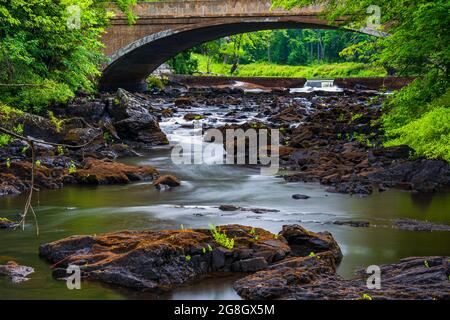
{"x": 331, "y": 138}
{"x": 334, "y": 139}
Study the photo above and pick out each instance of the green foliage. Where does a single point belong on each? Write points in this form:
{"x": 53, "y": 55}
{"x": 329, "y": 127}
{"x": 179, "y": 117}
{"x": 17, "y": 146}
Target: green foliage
{"x": 365, "y": 296}
{"x": 43, "y": 58}
{"x": 418, "y": 45}
{"x": 72, "y": 167}
{"x": 8, "y": 163}
{"x": 60, "y": 150}
{"x": 428, "y": 135}
{"x": 425, "y": 263}
{"x": 55, "y": 121}
{"x": 188, "y": 258}
{"x": 7, "y": 119}
{"x": 155, "y": 82}
{"x": 320, "y": 71}
{"x": 38, "y": 163}
{"x": 221, "y": 238}
{"x": 362, "y": 138}
{"x": 356, "y": 117}
{"x": 254, "y": 234}
{"x": 183, "y": 63}
{"x": 5, "y": 140}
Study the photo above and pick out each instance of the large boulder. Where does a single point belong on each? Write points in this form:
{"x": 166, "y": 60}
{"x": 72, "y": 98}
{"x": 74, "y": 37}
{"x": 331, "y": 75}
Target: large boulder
{"x": 133, "y": 120}
{"x": 80, "y": 136}
{"x": 99, "y": 172}
{"x": 162, "y": 259}
{"x": 304, "y": 242}
{"x": 311, "y": 278}
{"x": 420, "y": 175}
{"x": 55, "y": 172}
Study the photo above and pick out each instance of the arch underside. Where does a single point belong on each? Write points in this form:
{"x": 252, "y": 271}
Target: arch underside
{"x": 131, "y": 65}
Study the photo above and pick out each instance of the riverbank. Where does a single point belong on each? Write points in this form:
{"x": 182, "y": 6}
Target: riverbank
{"x": 320, "y": 71}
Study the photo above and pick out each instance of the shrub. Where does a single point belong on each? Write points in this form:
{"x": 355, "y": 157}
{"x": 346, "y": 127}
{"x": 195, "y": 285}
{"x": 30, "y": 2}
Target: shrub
{"x": 428, "y": 134}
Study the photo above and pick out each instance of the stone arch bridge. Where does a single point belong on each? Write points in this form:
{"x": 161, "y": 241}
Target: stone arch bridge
{"x": 167, "y": 28}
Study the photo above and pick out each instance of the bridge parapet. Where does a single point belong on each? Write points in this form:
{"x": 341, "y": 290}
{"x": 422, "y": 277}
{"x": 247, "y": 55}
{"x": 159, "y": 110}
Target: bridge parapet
{"x": 211, "y": 8}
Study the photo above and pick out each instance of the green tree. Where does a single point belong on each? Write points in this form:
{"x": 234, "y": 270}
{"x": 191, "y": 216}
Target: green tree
{"x": 417, "y": 45}
{"x": 183, "y": 63}
{"x": 45, "y": 59}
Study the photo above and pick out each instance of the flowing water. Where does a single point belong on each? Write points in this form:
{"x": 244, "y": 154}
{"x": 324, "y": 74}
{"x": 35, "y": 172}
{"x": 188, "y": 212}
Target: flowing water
{"x": 94, "y": 210}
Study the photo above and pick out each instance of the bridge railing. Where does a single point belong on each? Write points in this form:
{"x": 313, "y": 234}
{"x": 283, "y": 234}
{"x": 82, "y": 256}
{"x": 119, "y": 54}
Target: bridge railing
{"x": 212, "y": 8}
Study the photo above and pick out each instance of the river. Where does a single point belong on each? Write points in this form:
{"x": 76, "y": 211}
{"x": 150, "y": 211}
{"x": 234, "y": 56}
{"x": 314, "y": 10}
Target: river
{"x": 95, "y": 210}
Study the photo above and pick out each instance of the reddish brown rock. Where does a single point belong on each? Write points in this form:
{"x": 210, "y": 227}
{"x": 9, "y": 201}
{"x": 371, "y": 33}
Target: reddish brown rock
{"x": 108, "y": 172}
{"x": 54, "y": 173}
{"x": 167, "y": 180}
{"x": 417, "y": 278}
{"x": 163, "y": 259}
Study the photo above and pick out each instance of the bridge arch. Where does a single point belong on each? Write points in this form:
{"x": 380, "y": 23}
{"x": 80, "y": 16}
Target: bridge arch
{"x": 158, "y": 37}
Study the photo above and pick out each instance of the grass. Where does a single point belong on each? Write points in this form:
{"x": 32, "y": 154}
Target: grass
{"x": 319, "y": 71}
{"x": 221, "y": 238}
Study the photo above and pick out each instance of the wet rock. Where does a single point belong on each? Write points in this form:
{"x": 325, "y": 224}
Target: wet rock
{"x": 16, "y": 177}
{"x": 250, "y": 265}
{"x": 123, "y": 150}
{"x": 7, "y": 224}
{"x": 41, "y": 128}
{"x": 416, "y": 278}
{"x": 417, "y": 225}
{"x": 15, "y": 272}
{"x": 282, "y": 279}
{"x": 352, "y": 223}
{"x": 228, "y": 207}
{"x": 304, "y": 242}
{"x": 134, "y": 122}
{"x": 55, "y": 172}
{"x": 92, "y": 109}
{"x": 167, "y": 180}
{"x": 300, "y": 197}
{"x": 167, "y": 112}
{"x": 10, "y": 185}
{"x": 182, "y": 101}
{"x": 150, "y": 259}
{"x": 81, "y": 136}
{"x": 98, "y": 172}
{"x": 420, "y": 175}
